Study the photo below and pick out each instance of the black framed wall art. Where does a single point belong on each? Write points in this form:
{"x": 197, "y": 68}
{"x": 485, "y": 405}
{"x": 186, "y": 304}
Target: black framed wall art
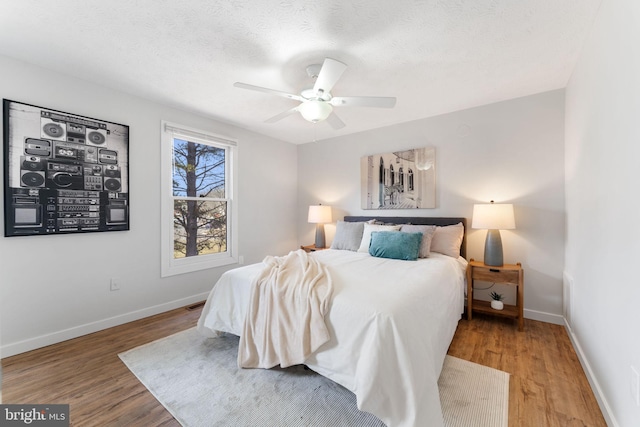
{"x": 63, "y": 173}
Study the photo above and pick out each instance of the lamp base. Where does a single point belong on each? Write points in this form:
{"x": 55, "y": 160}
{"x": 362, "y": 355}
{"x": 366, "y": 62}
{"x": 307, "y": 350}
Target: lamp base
{"x": 493, "y": 248}
{"x": 320, "y": 242}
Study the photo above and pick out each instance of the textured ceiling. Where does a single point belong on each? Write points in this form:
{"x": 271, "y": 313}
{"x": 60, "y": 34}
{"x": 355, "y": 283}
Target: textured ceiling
{"x": 435, "y": 56}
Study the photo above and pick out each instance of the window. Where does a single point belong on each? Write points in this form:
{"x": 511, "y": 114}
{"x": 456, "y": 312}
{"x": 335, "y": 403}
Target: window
{"x": 198, "y": 200}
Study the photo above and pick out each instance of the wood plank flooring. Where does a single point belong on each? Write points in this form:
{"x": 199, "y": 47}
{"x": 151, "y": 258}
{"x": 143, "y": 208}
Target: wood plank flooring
{"x": 548, "y": 386}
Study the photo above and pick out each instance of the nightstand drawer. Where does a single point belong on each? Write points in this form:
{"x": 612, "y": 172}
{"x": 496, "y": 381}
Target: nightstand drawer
{"x": 496, "y": 275}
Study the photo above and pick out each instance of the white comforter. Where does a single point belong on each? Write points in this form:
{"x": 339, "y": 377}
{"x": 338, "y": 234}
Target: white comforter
{"x": 391, "y": 323}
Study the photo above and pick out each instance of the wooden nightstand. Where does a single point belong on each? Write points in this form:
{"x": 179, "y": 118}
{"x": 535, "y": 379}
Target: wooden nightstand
{"x": 311, "y": 248}
{"x": 509, "y": 274}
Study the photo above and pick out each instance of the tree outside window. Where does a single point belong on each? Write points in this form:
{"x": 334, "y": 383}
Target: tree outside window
{"x": 198, "y": 212}
{"x": 199, "y": 199}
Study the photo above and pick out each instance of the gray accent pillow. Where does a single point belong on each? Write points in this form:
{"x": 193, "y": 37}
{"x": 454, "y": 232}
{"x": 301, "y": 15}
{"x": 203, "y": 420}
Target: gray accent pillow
{"x": 427, "y": 234}
{"x": 348, "y": 235}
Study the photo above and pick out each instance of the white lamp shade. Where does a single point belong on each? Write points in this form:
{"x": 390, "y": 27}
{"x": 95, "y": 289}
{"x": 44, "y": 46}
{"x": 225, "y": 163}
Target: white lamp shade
{"x": 493, "y": 216}
{"x": 319, "y": 214}
{"x": 315, "y": 111}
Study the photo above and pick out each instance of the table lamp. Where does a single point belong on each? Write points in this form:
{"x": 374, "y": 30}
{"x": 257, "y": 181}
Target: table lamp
{"x": 493, "y": 217}
{"x": 319, "y": 215}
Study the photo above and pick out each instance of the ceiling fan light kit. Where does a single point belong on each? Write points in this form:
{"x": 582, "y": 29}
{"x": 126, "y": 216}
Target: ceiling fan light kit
{"x": 315, "y": 111}
{"x": 317, "y": 103}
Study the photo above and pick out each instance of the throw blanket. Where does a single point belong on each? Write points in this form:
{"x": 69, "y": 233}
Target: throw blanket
{"x": 285, "y": 321}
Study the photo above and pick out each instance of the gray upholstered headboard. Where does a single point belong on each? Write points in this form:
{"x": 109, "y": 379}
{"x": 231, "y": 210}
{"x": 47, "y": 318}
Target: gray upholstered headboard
{"x": 418, "y": 220}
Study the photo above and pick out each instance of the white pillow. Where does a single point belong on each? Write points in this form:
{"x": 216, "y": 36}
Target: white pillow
{"x": 447, "y": 240}
{"x": 366, "y": 236}
{"x": 427, "y": 235}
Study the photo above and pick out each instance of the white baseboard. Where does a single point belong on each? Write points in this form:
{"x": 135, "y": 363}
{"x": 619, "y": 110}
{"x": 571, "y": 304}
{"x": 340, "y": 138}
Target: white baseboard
{"x": 542, "y": 316}
{"x": 595, "y": 386}
{"x": 89, "y": 328}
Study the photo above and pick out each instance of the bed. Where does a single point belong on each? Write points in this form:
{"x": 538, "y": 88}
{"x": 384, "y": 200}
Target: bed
{"x": 391, "y": 321}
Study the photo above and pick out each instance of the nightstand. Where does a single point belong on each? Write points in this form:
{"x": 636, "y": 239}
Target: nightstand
{"x": 508, "y": 274}
{"x": 311, "y": 248}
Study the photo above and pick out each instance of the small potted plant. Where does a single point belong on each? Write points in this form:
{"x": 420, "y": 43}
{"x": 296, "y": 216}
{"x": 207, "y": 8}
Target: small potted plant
{"x": 496, "y": 301}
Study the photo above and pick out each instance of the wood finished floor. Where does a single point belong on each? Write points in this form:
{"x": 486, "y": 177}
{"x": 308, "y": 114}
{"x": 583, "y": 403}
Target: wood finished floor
{"x": 547, "y": 388}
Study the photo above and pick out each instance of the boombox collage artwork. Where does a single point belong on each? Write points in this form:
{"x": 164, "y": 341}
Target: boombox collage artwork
{"x": 64, "y": 173}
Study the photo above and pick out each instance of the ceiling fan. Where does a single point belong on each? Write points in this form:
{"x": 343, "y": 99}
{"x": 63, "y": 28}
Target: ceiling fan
{"x": 316, "y": 104}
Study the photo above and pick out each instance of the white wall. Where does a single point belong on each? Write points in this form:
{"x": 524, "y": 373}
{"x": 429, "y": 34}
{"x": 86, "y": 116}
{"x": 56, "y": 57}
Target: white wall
{"x": 510, "y": 151}
{"x": 57, "y": 287}
{"x": 603, "y": 201}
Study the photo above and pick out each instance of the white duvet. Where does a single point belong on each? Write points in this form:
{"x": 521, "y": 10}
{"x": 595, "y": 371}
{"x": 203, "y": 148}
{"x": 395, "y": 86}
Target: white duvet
{"x": 391, "y": 323}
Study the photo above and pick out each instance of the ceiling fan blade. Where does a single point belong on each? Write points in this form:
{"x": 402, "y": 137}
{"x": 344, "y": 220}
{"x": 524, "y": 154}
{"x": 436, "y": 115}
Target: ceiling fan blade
{"x": 329, "y": 74}
{"x": 282, "y": 115}
{"x": 334, "y": 121}
{"x": 363, "y": 101}
{"x": 271, "y": 91}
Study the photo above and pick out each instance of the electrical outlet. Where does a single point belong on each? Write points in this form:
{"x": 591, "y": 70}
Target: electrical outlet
{"x": 115, "y": 284}
{"x": 635, "y": 385}
{"x": 241, "y": 259}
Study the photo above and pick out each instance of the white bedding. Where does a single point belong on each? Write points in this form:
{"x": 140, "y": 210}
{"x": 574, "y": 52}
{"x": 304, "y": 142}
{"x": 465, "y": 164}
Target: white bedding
{"x": 391, "y": 323}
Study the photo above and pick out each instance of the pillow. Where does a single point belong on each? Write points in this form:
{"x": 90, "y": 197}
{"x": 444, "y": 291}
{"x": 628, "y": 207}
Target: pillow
{"x": 447, "y": 240}
{"x": 379, "y": 222}
{"x": 395, "y": 245}
{"x": 366, "y": 235}
{"x": 348, "y": 236}
{"x": 427, "y": 234}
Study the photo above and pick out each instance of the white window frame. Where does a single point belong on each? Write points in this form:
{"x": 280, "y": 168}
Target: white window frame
{"x": 169, "y": 265}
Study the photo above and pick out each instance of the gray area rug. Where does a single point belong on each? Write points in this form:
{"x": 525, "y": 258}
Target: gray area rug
{"x": 197, "y": 379}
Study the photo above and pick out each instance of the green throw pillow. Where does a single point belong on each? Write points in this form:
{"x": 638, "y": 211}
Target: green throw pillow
{"x": 395, "y": 245}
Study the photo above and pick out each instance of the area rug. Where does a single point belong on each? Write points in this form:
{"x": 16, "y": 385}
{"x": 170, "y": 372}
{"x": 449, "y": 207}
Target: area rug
{"x": 197, "y": 379}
